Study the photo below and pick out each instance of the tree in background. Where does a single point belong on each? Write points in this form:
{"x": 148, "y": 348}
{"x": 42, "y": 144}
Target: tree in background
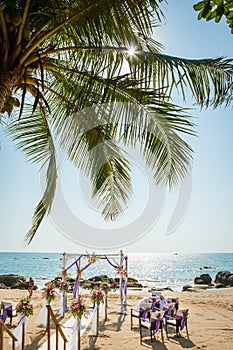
{"x": 88, "y": 74}
{"x": 215, "y": 10}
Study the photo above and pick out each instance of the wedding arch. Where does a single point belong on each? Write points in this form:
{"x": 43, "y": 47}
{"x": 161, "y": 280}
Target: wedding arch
{"x": 83, "y": 261}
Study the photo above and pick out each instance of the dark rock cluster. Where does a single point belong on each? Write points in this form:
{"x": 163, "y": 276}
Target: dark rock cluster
{"x": 13, "y": 282}
{"x": 96, "y": 280}
{"x": 222, "y": 279}
{"x": 204, "y": 278}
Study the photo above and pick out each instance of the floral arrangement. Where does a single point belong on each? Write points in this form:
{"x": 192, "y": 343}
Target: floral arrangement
{"x": 92, "y": 258}
{"x": 49, "y": 292}
{"x": 64, "y": 273}
{"x": 25, "y": 307}
{"x": 64, "y": 286}
{"x": 78, "y": 307}
{"x": 79, "y": 273}
{"x": 121, "y": 271}
{"x": 105, "y": 286}
{"x": 97, "y": 295}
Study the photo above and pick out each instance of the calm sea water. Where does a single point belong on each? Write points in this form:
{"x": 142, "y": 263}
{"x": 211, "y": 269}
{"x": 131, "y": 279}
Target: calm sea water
{"x": 157, "y": 270}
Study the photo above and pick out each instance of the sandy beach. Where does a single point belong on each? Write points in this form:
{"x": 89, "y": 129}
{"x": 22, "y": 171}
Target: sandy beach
{"x": 210, "y": 323}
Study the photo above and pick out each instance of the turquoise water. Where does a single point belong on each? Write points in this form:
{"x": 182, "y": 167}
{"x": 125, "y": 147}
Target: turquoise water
{"x": 157, "y": 270}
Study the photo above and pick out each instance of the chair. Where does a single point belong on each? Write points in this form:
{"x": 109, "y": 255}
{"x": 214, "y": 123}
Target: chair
{"x": 141, "y": 313}
{"x": 153, "y": 325}
{"x": 179, "y": 322}
{"x": 133, "y": 314}
{"x": 7, "y": 311}
{"x": 142, "y": 310}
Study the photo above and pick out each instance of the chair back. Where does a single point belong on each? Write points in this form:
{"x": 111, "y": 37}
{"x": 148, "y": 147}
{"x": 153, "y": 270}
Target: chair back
{"x": 181, "y": 313}
{"x": 156, "y": 315}
{"x": 6, "y": 307}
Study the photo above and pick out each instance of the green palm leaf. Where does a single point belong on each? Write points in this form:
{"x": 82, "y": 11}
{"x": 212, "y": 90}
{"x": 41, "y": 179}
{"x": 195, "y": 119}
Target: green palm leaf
{"x": 32, "y": 136}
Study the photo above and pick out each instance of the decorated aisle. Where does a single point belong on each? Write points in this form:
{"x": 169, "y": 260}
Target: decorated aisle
{"x": 70, "y": 330}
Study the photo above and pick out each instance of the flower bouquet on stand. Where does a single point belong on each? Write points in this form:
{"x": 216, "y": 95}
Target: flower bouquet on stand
{"x": 105, "y": 286}
{"x": 78, "y": 308}
{"x": 97, "y": 297}
{"x": 49, "y": 292}
{"x": 64, "y": 286}
{"x": 24, "y": 309}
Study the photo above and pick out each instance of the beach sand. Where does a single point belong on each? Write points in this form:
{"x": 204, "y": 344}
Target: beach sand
{"x": 210, "y": 323}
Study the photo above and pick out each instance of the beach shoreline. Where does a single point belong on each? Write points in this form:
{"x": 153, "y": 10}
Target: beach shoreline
{"x": 154, "y": 270}
{"x": 210, "y": 322}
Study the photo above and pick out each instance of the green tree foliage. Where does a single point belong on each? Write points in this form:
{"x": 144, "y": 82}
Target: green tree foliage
{"x": 66, "y": 74}
{"x": 215, "y": 10}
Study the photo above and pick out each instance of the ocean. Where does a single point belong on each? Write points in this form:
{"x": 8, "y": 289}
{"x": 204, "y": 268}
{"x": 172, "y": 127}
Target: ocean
{"x": 153, "y": 270}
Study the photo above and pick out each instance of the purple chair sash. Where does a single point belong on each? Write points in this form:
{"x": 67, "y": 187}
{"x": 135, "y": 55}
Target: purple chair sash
{"x": 157, "y": 324}
{"x": 169, "y": 310}
{"x": 183, "y": 321}
{"x": 144, "y": 313}
{"x": 168, "y": 314}
{"x": 4, "y": 313}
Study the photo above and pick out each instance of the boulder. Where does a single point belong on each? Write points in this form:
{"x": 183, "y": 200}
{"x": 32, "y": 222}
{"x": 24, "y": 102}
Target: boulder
{"x": 198, "y": 280}
{"x": 219, "y": 276}
{"x": 230, "y": 280}
{"x": 224, "y": 277}
{"x": 22, "y": 285}
{"x": 205, "y": 278}
{"x": 160, "y": 289}
{"x": 2, "y": 286}
{"x": 219, "y": 285}
{"x": 187, "y": 288}
{"x": 11, "y": 280}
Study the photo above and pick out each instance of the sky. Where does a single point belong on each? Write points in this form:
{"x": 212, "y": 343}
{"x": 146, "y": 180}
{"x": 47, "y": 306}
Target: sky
{"x": 196, "y": 217}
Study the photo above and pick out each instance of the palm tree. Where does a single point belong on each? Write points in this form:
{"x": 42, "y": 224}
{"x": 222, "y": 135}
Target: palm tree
{"x": 88, "y": 74}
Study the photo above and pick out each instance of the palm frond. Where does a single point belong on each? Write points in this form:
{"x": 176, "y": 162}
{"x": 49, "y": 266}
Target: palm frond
{"x": 210, "y": 81}
{"x": 76, "y": 20}
{"x": 90, "y": 144}
{"x": 31, "y": 135}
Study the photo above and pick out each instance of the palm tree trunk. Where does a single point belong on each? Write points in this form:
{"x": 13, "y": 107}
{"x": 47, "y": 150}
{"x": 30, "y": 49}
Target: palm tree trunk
{"x": 5, "y": 88}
